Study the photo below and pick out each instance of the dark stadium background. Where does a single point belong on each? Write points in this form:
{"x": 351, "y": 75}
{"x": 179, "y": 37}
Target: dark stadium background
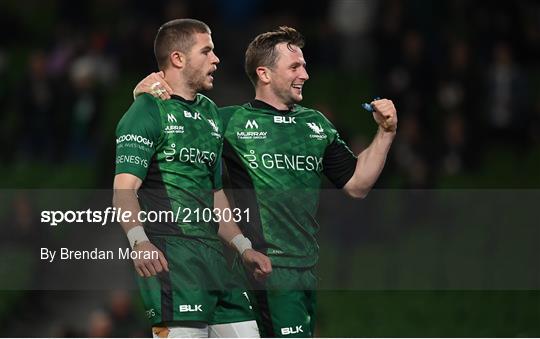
{"x": 465, "y": 78}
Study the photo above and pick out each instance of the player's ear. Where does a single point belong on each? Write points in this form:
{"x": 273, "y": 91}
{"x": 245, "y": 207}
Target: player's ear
{"x": 264, "y": 74}
{"x": 178, "y": 59}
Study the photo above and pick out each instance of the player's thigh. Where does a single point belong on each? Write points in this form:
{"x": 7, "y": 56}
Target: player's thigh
{"x": 233, "y": 302}
{"x": 286, "y": 307}
{"x": 285, "y": 313}
{"x": 232, "y": 306}
{"x": 193, "y": 330}
{"x": 244, "y": 329}
{"x": 180, "y": 294}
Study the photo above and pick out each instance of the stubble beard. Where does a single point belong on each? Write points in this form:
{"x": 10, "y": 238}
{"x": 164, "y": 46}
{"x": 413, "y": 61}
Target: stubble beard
{"x": 196, "y": 80}
{"x": 286, "y": 96}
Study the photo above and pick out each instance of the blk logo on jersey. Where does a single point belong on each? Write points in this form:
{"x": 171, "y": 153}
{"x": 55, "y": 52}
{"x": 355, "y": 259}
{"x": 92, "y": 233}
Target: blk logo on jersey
{"x": 284, "y": 120}
{"x": 195, "y": 116}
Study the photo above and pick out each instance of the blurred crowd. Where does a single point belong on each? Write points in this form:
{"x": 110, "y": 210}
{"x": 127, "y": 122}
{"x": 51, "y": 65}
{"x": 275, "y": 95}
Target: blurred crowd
{"x": 464, "y": 76}
{"x": 112, "y": 314}
{"x": 117, "y": 317}
{"x": 466, "y": 80}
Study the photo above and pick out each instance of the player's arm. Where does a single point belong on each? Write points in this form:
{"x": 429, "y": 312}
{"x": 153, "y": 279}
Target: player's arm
{"x": 371, "y": 161}
{"x": 258, "y": 263}
{"x": 154, "y": 84}
{"x": 137, "y": 135}
{"x": 125, "y": 197}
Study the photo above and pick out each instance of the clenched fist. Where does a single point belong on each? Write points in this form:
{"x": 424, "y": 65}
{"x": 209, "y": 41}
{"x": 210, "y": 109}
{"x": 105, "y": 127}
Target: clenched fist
{"x": 385, "y": 114}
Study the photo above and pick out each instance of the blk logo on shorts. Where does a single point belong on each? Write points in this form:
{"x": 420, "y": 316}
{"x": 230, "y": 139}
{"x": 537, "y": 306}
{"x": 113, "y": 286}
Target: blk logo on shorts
{"x": 190, "y": 308}
{"x": 290, "y": 330}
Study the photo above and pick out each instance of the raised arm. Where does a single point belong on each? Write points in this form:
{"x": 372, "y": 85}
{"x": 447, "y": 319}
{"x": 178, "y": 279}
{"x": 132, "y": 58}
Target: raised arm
{"x": 371, "y": 161}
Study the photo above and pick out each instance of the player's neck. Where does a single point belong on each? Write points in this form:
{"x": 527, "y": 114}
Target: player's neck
{"x": 180, "y": 87}
{"x": 271, "y": 100}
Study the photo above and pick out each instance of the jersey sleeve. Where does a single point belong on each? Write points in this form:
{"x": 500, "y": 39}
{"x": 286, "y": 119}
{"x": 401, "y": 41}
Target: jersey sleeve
{"x": 137, "y": 136}
{"x": 218, "y": 173}
{"x": 339, "y": 162}
{"x": 218, "y": 167}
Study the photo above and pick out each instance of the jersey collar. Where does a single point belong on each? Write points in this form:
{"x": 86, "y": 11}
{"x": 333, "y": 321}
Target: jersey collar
{"x": 179, "y": 98}
{"x": 258, "y": 104}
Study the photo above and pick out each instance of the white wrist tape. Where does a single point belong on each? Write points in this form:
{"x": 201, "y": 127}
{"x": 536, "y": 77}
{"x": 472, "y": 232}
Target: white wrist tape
{"x": 136, "y": 235}
{"x": 241, "y": 243}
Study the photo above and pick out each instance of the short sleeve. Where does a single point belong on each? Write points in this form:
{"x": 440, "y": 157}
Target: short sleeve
{"x": 218, "y": 167}
{"x": 339, "y": 162}
{"x": 137, "y": 136}
{"x": 218, "y": 173}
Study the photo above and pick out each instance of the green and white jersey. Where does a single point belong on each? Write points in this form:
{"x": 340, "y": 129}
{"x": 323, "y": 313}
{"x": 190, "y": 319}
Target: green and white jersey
{"x": 275, "y": 160}
{"x": 174, "y": 146}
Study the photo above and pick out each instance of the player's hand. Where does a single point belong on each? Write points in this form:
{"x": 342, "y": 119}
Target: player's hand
{"x": 257, "y": 263}
{"x": 385, "y": 114}
{"x": 154, "y": 84}
{"x": 149, "y": 267}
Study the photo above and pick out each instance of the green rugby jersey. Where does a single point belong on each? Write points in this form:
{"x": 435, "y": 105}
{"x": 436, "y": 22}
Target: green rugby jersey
{"x": 275, "y": 160}
{"x": 174, "y": 146}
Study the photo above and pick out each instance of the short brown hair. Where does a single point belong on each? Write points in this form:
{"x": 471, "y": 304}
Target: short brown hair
{"x": 176, "y": 35}
{"x": 262, "y": 50}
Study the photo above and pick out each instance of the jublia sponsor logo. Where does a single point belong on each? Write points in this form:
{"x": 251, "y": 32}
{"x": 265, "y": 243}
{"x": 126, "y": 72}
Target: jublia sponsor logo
{"x": 318, "y": 130}
{"x": 251, "y": 125}
{"x": 173, "y": 127}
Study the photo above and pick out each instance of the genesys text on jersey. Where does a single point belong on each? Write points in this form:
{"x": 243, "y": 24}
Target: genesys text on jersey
{"x": 182, "y": 215}
{"x": 284, "y": 161}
